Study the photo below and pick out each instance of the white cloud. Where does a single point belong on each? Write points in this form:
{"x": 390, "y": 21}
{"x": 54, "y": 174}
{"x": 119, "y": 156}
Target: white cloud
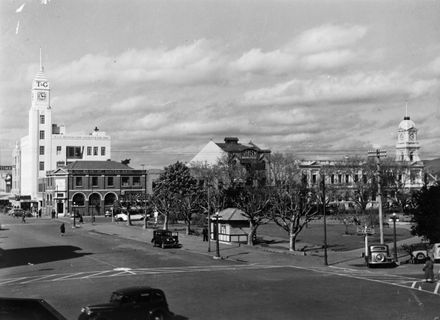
{"x": 354, "y": 87}
{"x": 327, "y": 38}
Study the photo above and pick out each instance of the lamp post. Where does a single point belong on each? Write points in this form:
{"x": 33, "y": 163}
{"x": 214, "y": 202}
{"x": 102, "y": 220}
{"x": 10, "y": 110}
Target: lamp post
{"x": 325, "y": 220}
{"x": 209, "y": 222}
{"x": 74, "y": 215}
{"x": 217, "y": 242}
{"x": 394, "y": 218}
{"x": 379, "y": 154}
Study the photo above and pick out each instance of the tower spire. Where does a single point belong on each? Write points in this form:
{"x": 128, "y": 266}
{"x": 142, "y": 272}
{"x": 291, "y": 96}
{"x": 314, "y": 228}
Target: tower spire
{"x": 406, "y": 110}
{"x": 41, "y": 62}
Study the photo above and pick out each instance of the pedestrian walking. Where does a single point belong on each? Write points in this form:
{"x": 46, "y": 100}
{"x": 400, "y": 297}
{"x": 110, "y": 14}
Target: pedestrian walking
{"x": 62, "y": 229}
{"x": 23, "y": 217}
{"x": 205, "y": 233}
{"x": 429, "y": 270}
{"x": 39, "y": 213}
{"x": 81, "y": 219}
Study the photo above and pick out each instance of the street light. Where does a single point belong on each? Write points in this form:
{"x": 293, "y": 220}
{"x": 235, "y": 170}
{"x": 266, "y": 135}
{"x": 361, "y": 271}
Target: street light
{"x": 216, "y": 233}
{"x": 74, "y": 214}
{"x": 394, "y": 218}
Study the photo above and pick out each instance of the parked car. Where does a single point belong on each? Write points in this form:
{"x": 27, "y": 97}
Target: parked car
{"x": 436, "y": 252}
{"x": 123, "y": 216}
{"x": 165, "y": 238}
{"x": 27, "y": 308}
{"x": 144, "y": 303}
{"x": 379, "y": 255}
{"x": 17, "y": 212}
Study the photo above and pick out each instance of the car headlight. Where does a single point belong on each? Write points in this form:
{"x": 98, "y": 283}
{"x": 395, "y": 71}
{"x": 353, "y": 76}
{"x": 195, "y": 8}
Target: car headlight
{"x": 86, "y": 310}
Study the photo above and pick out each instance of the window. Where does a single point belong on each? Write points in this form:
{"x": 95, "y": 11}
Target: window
{"x": 332, "y": 179}
{"x": 78, "y": 182}
{"x": 110, "y": 181}
{"x": 339, "y": 178}
{"x": 347, "y": 178}
{"x": 314, "y": 178}
{"x": 41, "y": 150}
{"x": 356, "y": 178}
{"x": 95, "y": 151}
{"x": 74, "y": 152}
{"x": 41, "y": 134}
{"x": 58, "y": 150}
{"x": 95, "y": 181}
{"x": 102, "y": 151}
{"x": 42, "y": 119}
{"x": 125, "y": 181}
{"x": 89, "y": 151}
{"x": 41, "y": 165}
{"x": 136, "y": 181}
{"x": 60, "y": 164}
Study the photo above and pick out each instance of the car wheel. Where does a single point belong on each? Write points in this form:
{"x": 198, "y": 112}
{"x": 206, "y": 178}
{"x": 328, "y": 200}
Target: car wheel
{"x": 163, "y": 245}
{"x": 420, "y": 256}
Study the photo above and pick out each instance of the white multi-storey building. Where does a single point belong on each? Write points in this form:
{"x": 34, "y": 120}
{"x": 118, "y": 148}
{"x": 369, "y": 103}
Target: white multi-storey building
{"x": 48, "y": 147}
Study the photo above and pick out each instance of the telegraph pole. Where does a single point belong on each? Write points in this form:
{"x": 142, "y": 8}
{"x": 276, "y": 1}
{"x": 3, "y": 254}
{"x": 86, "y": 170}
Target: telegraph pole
{"x": 379, "y": 154}
{"x": 325, "y": 220}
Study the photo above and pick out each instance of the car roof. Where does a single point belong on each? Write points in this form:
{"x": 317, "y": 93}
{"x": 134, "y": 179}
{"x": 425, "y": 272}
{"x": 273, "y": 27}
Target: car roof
{"x": 135, "y": 290}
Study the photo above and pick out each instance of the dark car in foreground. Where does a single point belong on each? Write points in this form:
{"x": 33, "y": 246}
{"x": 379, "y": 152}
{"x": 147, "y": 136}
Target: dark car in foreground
{"x": 144, "y": 303}
{"x": 25, "y": 309}
{"x": 165, "y": 239}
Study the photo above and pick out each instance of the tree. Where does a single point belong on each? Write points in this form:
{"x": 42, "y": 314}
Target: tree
{"x": 255, "y": 204}
{"x": 427, "y": 213}
{"x": 293, "y": 204}
{"x": 177, "y": 192}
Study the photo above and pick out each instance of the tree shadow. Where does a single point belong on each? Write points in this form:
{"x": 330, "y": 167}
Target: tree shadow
{"x": 36, "y": 255}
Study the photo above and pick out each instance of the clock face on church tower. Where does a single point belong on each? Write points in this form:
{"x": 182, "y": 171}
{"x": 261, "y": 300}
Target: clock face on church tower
{"x": 412, "y": 136}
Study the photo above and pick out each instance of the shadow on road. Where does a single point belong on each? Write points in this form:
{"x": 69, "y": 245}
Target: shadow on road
{"x": 36, "y": 255}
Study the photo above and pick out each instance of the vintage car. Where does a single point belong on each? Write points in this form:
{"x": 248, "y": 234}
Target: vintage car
{"x": 378, "y": 256}
{"x": 27, "y": 308}
{"x": 165, "y": 239}
{"x": 130, "y": 303}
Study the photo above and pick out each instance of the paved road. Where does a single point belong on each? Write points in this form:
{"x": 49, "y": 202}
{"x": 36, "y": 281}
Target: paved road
{"x": 87, "y": 263}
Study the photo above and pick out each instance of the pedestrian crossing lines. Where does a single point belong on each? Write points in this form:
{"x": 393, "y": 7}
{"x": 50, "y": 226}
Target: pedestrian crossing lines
{"x": 391, "y": 279}
{"x": 124, "y": 271}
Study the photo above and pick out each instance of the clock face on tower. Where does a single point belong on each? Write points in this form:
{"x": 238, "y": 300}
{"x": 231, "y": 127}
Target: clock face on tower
{"x": 412, "y": 136}
{"x": 41, "y": 96}
{"x": 401, "y": 136}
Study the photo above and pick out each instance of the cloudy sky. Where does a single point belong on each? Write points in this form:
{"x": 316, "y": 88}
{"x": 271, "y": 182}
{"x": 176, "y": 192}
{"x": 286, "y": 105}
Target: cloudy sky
{"x": 320, "y": 79}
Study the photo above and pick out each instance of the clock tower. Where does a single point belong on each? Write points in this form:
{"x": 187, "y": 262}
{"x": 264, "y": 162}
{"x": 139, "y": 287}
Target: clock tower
{"x": 40, "y": 131}
{"x": 407, "y": 146}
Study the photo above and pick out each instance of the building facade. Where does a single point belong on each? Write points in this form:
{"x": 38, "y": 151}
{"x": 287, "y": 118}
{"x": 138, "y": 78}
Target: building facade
{"x": 255, "y": 160}
{"x": 91, "y": 187}
{"x": 47, "y": 145}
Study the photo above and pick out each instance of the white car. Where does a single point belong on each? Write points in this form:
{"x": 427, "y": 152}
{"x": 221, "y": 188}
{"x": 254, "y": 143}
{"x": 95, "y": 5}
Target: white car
{"x": 133, "y": 217}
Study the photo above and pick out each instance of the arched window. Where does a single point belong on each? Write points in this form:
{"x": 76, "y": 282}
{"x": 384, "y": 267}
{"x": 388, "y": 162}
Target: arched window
{"x": 78, "y": 199}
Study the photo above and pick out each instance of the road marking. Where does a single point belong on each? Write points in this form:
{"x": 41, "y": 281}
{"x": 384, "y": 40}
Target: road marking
{"x": 437, "y": 287}
{"x": 130, "y": 272}
{"x": 37, "y": 279}
{"x": 68, "y": 276}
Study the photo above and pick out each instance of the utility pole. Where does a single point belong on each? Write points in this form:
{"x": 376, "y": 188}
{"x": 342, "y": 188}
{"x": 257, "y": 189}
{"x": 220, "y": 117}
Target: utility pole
{"x": 325, "y": 220}
{"x": 209, "y": 220}
{"x": 379, "y": 154}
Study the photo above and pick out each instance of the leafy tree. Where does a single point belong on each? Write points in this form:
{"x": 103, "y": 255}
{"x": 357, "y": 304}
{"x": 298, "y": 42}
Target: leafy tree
{"x": 177, "y": 192}
{"x": 427, "y": 213}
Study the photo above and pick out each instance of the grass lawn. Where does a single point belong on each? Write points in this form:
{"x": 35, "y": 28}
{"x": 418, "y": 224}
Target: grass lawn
{"x": 337, "y": 240}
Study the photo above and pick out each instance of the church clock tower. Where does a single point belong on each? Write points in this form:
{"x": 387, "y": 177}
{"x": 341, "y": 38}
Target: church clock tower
{"x": 407, "y": 147}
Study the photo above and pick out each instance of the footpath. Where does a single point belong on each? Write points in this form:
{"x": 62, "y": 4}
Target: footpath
{"x": 267, "y": 254}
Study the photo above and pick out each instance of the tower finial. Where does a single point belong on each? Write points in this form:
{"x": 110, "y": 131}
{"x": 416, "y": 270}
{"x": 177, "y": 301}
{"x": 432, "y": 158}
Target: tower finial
{"x": 406, "y": 110}
{"x": 41, "y": 62}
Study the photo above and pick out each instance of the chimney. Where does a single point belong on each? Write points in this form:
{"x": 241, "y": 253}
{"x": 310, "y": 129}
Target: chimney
{"x": 231, "y": 140}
